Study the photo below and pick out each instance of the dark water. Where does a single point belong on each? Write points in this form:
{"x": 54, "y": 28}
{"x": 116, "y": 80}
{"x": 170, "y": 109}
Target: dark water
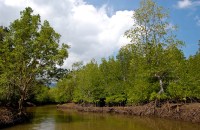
{"x": 48, "y": 118}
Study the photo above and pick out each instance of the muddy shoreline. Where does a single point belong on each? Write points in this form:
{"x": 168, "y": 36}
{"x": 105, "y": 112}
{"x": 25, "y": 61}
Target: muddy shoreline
{"x": 184, "y": 112}
{"x": 9, "y": 117}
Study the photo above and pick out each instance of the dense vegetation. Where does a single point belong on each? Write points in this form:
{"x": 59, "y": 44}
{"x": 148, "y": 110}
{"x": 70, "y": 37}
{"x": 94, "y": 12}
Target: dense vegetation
{"x": 29, "y": 52}
{"x": 151, "y": 68}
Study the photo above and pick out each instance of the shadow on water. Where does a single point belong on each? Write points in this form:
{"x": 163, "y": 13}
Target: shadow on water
{"x": 41, "y": 114}
{"x": 48, "y": 118}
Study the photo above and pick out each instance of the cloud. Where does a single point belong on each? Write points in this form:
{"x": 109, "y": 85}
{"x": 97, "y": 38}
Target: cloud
{"x": 197, "y": 19}
{"x": 182, "y": 4}
{"x": 91, "y": 32}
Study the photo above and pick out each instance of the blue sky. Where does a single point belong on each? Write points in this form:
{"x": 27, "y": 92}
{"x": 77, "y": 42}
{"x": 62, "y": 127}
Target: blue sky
{"x": 95, "y": 28}
{"x": 116, "y": 4}
{"x": 185, "y": 16}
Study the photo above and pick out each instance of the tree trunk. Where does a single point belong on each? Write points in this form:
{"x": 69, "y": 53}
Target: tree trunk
{"x": 161, "y": 84}
{"x": 21, "y": 101}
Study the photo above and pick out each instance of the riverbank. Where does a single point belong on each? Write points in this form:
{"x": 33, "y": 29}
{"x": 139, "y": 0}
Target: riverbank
{"x": 9, "y": 117}
{"x": 185, "y": 112}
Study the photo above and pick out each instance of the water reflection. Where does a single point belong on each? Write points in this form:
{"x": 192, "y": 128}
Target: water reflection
{"x": 48, "y": 118}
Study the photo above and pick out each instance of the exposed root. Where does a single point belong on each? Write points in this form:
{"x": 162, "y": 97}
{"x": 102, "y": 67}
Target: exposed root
{"x": 185, "y": 112}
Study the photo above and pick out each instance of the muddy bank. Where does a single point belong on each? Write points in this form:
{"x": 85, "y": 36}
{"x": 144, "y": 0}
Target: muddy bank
{"x": 186, "y": 112}
{"x": 9, "y": 117}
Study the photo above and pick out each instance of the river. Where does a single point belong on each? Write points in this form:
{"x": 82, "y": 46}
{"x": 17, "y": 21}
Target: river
{"x": 48, "y": 118}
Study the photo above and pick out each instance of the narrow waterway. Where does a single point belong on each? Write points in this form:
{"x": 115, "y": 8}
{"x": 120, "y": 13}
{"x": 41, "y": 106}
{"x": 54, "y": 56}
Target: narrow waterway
{"x": 48, "y": 118}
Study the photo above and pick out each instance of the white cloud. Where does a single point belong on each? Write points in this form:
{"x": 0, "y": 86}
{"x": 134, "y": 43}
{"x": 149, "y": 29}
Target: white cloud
{"x": 90, "y": 31}
{"x": 182, "y": 4}
{"x": 197, "y": 19}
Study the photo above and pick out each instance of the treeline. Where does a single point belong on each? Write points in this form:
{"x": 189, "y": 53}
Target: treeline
{"x": 152, "y": 67}
{"x": 131, "y": 79}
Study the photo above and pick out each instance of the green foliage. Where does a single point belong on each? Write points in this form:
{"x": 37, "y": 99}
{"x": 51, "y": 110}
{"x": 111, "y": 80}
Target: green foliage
{"x": 155, "y": 96}
{"x": 151, "y": 68}
{"x": 187, "y": 87}
{"x": 42, "y": 95}
{"x": 64, "y": 91}
{"x": 30, "y": 51}
{"x": 139, "y": 92}
{"x": 88, "y": 81}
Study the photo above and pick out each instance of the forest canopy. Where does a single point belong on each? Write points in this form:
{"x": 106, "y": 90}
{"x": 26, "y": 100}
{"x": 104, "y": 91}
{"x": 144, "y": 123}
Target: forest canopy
{"x": 152, "y": 67}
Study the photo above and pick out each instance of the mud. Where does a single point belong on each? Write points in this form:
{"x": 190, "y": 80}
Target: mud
{"x": 9, "y": 117}
{"x": 185, "y": 112}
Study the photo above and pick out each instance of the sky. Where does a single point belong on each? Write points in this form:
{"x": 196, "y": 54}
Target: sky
{"x": 95, "y": 28}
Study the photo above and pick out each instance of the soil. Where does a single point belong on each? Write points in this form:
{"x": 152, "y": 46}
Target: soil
{"x": 9, "y": 117}
{"x": 185, "y": 112}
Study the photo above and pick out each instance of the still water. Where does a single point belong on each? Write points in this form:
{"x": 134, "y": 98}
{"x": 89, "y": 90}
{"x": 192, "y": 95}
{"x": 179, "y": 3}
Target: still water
{"x": 48, "y": 118}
